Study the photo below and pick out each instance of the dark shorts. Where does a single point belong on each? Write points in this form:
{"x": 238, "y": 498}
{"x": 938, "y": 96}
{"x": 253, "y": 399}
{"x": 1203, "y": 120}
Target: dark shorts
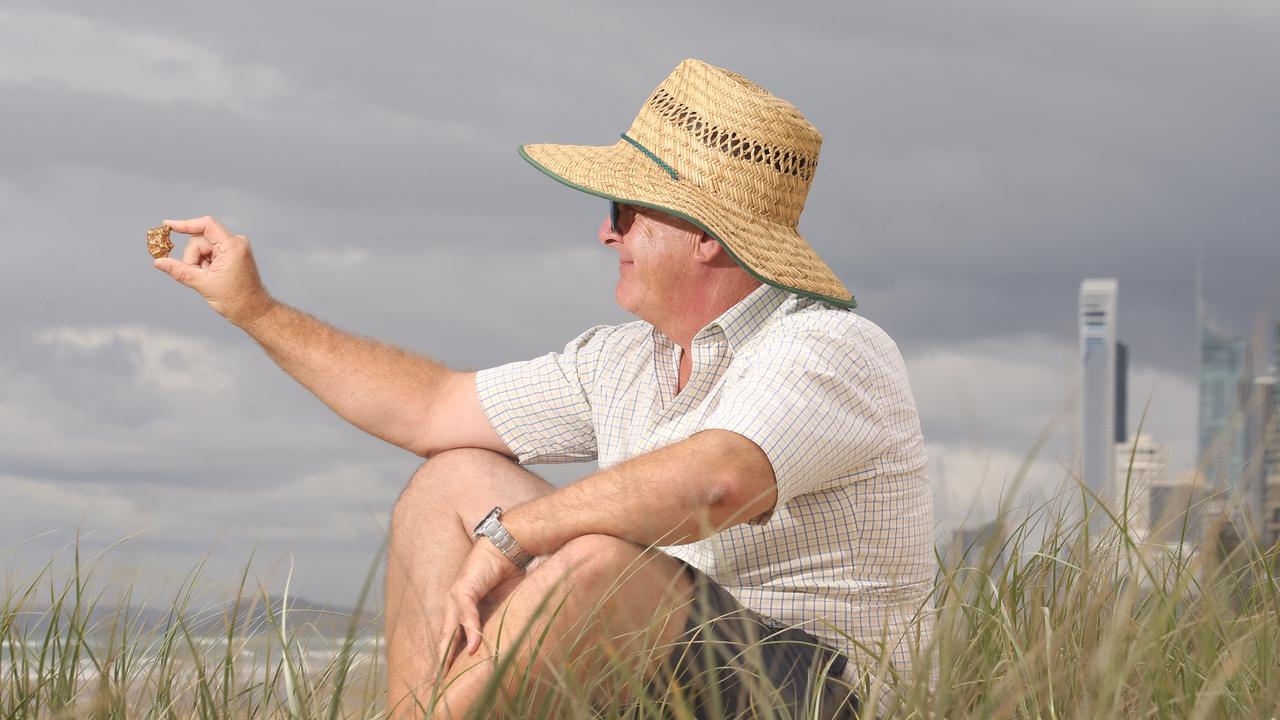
{"x": 716, "y": 664}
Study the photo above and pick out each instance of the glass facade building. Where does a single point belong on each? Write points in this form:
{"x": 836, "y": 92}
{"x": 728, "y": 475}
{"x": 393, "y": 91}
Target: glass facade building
{"x": 1221, "y": 434}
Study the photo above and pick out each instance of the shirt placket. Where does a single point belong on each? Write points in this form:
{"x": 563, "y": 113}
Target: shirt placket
{"x": 666, "y": 369}
{"x": 708, "y": 355}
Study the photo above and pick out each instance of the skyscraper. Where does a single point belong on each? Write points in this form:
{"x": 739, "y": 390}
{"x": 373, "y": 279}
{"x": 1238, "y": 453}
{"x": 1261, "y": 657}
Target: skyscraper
{"x": 1275, "y": 347}
{"x": 1260, "y": 408}
{"x": 1222, "y": 363}
{"x": 1260, "y": 403}
{"x": 1176, "y": 508}
{"x": 1274, "y": 365}
{"x": 1097, "y": 387}
{"x": 1271, "y": 456}
{"x": 1122, "y": 391}
{"x": 1270, "y": 525}
{"x": 1142, "y": 468}
{"x": 977, "y": 546}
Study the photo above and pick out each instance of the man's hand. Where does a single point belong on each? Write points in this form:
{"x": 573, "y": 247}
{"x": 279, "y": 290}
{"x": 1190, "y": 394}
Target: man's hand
{"x": 483, "y": 570}
{"x": 220, "y": 267}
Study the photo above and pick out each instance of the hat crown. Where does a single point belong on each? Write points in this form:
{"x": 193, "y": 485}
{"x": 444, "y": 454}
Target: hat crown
{"x": 732, "y": 138}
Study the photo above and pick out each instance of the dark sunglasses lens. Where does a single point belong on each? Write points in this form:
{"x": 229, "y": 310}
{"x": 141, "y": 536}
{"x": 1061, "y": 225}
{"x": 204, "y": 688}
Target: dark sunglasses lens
{"x": 613, "y": 216}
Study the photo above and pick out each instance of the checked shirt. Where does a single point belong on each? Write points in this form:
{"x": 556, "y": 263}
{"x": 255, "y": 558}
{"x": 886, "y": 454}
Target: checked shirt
{"x": 847, "y": 551}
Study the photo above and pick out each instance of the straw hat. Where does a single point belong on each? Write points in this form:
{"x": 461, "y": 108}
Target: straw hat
{"x": 721, "y": 152}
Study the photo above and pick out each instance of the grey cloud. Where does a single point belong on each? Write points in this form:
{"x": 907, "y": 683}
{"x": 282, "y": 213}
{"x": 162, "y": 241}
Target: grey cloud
{"x": 977, "y": 163}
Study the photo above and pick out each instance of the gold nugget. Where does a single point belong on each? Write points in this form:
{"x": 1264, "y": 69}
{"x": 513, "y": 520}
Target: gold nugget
{"x": 158, "y": 243}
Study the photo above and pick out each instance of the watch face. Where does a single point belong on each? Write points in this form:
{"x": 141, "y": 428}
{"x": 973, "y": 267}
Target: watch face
{"x": 479, "y": 529}
{"x": 489, "y": 519}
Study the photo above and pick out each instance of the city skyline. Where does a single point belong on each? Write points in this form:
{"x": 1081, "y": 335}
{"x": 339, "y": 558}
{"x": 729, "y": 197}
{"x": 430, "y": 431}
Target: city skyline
{"x": 1237, "y": 467}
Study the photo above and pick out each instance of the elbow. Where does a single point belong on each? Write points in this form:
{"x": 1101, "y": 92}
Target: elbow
{"x": 748, "y": 498}
{"x": 743, "y": 485}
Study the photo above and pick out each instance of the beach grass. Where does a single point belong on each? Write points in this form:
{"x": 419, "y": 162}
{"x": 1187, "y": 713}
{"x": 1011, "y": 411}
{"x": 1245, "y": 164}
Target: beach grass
{"x": 1049, "y": 618}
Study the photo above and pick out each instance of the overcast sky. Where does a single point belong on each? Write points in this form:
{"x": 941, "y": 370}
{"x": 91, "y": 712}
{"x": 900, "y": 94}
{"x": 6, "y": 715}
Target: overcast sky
{"x": 980, "y": 159}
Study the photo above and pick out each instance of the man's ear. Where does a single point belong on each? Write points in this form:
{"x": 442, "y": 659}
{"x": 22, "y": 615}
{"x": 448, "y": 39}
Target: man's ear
{"x": 708, "y": 248}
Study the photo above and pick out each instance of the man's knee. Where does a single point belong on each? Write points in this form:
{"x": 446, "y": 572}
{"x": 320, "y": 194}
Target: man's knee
{"x": 591, "y": 562}
{"x": 609, "y": 589}
{"x": 444, "y": 478}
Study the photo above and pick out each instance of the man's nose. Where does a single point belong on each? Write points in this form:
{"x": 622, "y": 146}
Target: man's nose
{"x": 606, "y": 233}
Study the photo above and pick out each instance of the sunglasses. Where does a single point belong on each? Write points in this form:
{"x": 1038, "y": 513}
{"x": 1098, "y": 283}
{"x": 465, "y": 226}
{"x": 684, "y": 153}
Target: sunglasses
{"x": 621, "y": 216}
{"x": 615, "y": 210}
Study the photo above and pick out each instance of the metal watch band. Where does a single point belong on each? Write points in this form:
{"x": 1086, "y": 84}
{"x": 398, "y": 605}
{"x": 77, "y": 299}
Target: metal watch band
{"x": 491, "y": 527}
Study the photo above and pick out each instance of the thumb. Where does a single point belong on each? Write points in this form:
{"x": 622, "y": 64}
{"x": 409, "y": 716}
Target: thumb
{"x": 178, "y": 270}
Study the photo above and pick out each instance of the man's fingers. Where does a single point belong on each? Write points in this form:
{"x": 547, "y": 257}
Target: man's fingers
{"x": 197, "y": 248}
{"x": 178, "y": 270}
{"x": 469, "y": 618}
{"x": 472, "y": 627}
{"x": 211, "y": 229}
{"x": 448, "y": 629}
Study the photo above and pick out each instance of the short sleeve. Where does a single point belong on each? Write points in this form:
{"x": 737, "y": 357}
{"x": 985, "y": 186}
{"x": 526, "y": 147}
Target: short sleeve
{"x": 541, "y": 408}
{"x": 808, "y": 400}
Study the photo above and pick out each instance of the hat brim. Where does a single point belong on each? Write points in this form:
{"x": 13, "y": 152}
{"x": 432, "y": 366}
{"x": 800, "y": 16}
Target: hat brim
{"x": 773, "y": 253}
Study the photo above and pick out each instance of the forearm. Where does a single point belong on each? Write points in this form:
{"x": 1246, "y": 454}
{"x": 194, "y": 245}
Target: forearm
{"x": 674, "y": 495}
{"x": 379, "y": 388}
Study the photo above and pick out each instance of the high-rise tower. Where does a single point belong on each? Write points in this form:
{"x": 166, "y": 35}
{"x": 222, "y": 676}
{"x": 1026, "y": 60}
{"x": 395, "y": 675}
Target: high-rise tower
{"x": 1097, "y": 388}
{"x": 1271, "y": 456}
{"x": 1122, "y": 391}
{"x": 1222, "y": 365}
{"x": 1142, "y": 466}
{"x": 1259, "y": 432}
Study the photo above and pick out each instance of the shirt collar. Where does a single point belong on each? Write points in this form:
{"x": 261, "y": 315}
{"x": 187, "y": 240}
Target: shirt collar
{"x": 737, "y": 324}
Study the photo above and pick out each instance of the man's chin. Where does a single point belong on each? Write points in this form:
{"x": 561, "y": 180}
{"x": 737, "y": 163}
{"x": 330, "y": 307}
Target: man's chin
{"x": 624, "y": 301}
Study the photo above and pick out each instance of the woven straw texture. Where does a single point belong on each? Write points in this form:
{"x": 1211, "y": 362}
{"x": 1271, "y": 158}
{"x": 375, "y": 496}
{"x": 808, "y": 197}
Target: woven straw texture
{"x": 742, "y": 158}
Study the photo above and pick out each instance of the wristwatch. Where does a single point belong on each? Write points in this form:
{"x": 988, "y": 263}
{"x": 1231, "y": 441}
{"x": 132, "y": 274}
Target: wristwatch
{"x": 492, "y": 528}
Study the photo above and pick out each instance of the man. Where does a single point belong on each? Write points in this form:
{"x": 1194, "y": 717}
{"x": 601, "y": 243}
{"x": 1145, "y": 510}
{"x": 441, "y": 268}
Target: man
{"x": 761, "y": 515}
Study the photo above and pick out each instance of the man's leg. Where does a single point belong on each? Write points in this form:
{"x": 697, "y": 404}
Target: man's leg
{"x": 430, "y": 536}
{"x": 623, "y": 588}
{"x": 605, "y": 607}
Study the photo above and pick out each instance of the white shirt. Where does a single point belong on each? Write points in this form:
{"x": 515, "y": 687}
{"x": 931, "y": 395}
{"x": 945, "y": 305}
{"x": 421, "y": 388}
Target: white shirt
{"x": 848, "y": 548}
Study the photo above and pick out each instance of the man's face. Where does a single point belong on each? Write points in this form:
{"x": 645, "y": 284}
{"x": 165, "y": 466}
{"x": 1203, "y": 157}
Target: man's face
{"x": 655, "y": 259}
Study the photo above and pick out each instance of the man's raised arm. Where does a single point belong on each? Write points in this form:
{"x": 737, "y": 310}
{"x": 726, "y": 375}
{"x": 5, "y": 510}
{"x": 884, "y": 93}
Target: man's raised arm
{"x": 398, "y": 396}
